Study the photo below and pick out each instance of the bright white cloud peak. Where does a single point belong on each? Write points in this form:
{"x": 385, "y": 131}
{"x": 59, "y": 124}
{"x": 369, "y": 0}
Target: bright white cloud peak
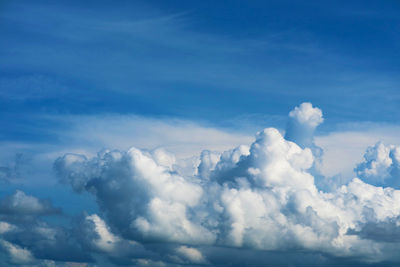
{"x": 381, "y": 166}
{"x": 302, "y": 122}
{"x": 263, "y": 197}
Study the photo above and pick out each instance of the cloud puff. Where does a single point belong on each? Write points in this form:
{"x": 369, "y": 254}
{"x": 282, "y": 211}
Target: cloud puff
{"x": 6, "y": 227}
{"x": 344, "y": 148}
{"x": 302, "y": 122}
{"x": 22, "y": 204}
{"x": 146, "y": 199}
{"x": 262, "y": 197}
{"x": 191, "y": 254}
{"x": 381, "y": 165}
{"x": 27, "y": 239}
{"x": 17, "y": 254}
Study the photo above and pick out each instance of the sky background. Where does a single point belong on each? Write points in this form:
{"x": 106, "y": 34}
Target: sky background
{"x": 237, "y": 67}
{"x": 83, "y": 76}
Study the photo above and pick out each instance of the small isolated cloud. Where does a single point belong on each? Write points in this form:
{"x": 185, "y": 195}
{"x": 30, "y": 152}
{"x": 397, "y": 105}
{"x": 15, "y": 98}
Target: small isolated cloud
{"x": 190, "y": 254}
{"x": 22, "y": 204}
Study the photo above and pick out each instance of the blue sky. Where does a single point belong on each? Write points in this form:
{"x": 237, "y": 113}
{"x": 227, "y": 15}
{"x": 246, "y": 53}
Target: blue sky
{"x": 180, "y": 58}
{"x": 187, "y": 76}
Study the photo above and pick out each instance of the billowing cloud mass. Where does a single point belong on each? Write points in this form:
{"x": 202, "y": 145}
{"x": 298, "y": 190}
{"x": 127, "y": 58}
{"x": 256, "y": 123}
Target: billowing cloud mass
{"x": 261, "y": 201}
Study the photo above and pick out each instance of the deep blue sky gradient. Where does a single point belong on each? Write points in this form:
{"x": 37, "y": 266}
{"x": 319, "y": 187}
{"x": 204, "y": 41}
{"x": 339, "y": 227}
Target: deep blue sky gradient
{"x": 218, "y": 63}
{"x": 238, "y": 65}
{"x": 198, "y": 60}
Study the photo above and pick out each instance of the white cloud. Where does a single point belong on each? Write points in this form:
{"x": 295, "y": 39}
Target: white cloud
{"x": 104, "y": 239}
{"x": 307, "y": 114}
{"x": 17, "y": 254}
{"x": 263, "y": 197}
{"x": 193, "y": 255}
{"x": 302, "y": 122}
{"x": 85, "y": 135}
{"x": 344, "y": 148}
{"x": 159, "y": 208}
{"x": 6, "y": 227}
{"x": 22, "y": 204}
{"x": 381, "y": 165}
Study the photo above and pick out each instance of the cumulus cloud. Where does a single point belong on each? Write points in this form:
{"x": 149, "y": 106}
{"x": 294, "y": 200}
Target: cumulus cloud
{"x": 27, "y": 239}
{"x": 381, "y": 165}
{"x": 190, "y": 254}
{"x": 38, "y": 243}
{"x": 344, "y": 147}
{"x": 103, "y": 240}
{"x": 303, "y": 120}
{"x": 17, "y": 255}
{"x": 262, "y": 197}
{"x": 25, "y": 205}
{"x": 145, "y": 199}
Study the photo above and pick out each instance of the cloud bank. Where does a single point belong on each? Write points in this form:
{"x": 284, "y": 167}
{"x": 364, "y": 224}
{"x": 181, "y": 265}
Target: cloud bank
{"x": 261, "y": 200}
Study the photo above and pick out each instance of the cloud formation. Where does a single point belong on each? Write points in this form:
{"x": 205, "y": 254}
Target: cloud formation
{"x": 303, "y": 120}
{"x": 262, "y": 199}
{"x": 381, "y": 165}
{"x": 22, "y": 204}
{"x": 26, "y": 238}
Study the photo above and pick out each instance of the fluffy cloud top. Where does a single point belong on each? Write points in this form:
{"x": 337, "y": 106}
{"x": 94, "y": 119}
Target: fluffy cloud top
{"x": 302, "y": 122}
{"x": 381, "y": 165}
